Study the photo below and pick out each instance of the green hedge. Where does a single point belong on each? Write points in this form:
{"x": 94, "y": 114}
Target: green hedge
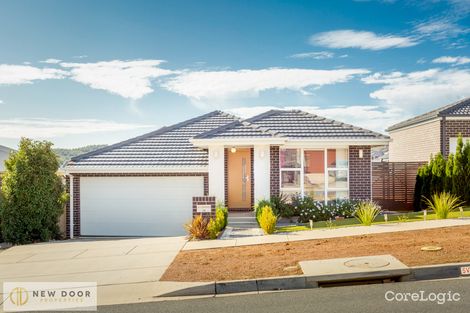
{"x": 440, "y": 174}
{"x": 33, "y": 194}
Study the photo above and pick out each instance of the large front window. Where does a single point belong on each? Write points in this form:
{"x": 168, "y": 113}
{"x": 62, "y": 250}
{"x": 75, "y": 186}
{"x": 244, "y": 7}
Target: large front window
{"x": 319, "y": 173}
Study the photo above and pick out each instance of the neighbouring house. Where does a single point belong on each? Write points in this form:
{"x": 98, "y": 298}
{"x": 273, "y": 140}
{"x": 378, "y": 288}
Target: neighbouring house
{"x": 153, "y": 184}
{"x": 417, "y": 138}
{"x": 4, "y": 155}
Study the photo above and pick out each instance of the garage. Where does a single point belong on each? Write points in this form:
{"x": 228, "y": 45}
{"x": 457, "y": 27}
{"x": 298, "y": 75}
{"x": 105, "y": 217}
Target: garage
{"x": 137, "y": 206}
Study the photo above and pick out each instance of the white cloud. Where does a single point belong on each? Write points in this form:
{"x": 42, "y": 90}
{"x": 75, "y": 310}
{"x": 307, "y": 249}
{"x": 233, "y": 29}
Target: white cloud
{"x": 25, "y": 74}
{"x": 452, "y": 60}
{"x": 421, "y": 91}
{"x": 50, "y": 128}
{"x": 1, "y": 101}
{"x": 314, "y": 55}
{"x": 440, "y": 29}
{"x": 370, "y": 117}
{"x": 51, "y": 61}
{"x": 129, "y": 79}
{"x": 348, "y": 38}
{"x": 219, "y": 85}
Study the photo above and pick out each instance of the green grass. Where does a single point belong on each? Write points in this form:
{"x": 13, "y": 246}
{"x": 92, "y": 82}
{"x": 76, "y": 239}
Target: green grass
{"x": 348, "y": 222}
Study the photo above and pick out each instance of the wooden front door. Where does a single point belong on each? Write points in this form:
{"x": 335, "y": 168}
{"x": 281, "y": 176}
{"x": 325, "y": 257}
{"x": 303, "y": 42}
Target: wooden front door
{"x": 239, "y": 179}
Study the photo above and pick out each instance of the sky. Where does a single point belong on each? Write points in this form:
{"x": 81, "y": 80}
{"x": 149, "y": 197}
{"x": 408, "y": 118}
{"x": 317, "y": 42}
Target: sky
{"x": 99, "y": 72}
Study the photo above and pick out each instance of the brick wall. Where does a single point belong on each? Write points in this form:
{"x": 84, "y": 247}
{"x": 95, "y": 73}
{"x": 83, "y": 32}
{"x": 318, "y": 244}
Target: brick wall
{"x": 360, "y": 173}
{"x": 452, "y": 129}
{"x": 76, "y": 192}
{"x": 274, "y": 170}
{"x": 415, "y": 144}
{"x": 206, "y": 200}
{"x": 252, "y": 176}
{"x": 226, "y": 177}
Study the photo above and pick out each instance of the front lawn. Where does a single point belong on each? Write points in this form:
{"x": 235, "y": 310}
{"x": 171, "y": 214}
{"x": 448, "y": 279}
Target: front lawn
{"x": 402, "y": 218}
{"x": 281, "y": 259}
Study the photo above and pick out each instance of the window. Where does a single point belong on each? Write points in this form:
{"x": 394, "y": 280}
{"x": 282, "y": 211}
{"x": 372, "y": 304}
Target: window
{"x": 321, "y": 173}
{"x": 290, "y": 166}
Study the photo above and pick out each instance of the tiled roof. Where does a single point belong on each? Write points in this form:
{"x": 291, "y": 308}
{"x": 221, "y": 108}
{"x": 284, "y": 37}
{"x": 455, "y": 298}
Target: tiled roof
{"x": 459, "y": 108}
{"x": 238, "y": 129}
{"x": 297, "y": 124}
{"x": 292, "y": 124}
{"x": 171, "y": 147}
{"x": 166, "y": 147}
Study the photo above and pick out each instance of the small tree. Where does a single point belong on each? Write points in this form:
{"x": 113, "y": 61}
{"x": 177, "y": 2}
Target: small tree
{"x": 438, "y": 169}
{"x": 458, "y": 183}
{"x": 449, "y": 172}
{"x": 33, "y": 194}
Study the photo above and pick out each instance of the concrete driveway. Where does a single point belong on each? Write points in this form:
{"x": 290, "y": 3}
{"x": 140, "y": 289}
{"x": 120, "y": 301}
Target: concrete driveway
{"x": 118, "y": 265}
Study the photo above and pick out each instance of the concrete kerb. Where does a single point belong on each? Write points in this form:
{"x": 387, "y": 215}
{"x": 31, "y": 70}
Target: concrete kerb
{"x": 431, "y": 272}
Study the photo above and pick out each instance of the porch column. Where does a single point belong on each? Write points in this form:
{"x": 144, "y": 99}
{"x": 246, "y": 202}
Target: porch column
{"x": 71, "y": 195}
{"x": 262, "y": 179}
{"x": 216, "y": 173}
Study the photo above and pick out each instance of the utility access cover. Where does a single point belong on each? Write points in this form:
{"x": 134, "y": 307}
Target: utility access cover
{"x": 354, "y": 268}
{"x": 367, "y": 263}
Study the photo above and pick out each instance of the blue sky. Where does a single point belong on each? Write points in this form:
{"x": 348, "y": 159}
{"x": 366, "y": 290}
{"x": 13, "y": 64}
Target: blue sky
{"x": 92, "y": 72}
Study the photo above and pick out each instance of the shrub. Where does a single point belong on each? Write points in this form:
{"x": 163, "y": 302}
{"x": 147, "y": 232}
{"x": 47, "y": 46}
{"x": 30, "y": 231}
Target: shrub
{"x": 366, "y": 212}
{"x": 267, "y": 220}
{"x": 198, "y": 228}
{"x": 260, "y": 205}
{"x": 33, "y": 193}
{"x": 443, "y": 203}
{"x": 310, "y": 209}
{"x": 222, "y": 210}
{"x": 440, "y": 174}
{"x": 282, "y": 207}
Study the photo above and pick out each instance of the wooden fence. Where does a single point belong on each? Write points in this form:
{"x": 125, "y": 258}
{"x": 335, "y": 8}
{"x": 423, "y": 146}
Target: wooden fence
{"x": 393, "y": 184}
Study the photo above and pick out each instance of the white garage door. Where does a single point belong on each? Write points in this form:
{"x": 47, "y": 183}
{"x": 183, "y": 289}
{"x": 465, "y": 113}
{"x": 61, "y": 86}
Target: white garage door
{"x": 137, "y": 206}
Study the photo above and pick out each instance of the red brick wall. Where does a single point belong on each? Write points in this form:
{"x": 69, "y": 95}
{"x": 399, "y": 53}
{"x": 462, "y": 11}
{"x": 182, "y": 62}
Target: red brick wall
{"x": 204, "y": 201}
{"x": 252, "y": 176}
{"x": 76, "y": 192}
{"x": 360, "y": 182}
{"x": 274, "y": 180}
{"x": 452, "y": 129}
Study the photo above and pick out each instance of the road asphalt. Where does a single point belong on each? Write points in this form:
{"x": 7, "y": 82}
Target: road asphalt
{"x": 449, "y": 296}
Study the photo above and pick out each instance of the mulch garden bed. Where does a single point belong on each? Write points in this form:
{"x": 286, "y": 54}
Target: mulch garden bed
{"x": 281, "y": 259}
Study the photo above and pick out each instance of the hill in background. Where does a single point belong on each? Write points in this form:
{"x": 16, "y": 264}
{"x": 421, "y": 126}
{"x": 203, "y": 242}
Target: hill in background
{"x": 66, "y": 154}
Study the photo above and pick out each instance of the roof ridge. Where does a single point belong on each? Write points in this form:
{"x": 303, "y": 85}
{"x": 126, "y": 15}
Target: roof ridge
{"x": 239, "y": 121}
{"x": 345, "y": 124}
{"x": 263, "y": 115}
{"x": 427, "y": 115}
{"x": 159, "y": 131}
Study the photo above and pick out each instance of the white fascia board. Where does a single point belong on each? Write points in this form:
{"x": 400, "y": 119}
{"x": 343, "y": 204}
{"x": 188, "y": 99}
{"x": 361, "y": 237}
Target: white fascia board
{"x": 205, "y": 143}
{"x": 322, "y": 143}
{"x": 416, "y": 125}
{"x": 115, "y": 169}
{"x": 457, "y": 118}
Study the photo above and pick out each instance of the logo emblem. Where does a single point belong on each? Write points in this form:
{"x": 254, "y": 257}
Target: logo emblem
{"x": 19, "y": 296}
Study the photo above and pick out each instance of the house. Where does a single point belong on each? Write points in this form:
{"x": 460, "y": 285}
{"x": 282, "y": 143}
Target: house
{"x": 4, "y": 154}
{"x": 153, "y": 184}
{"x": 417, "y": 138}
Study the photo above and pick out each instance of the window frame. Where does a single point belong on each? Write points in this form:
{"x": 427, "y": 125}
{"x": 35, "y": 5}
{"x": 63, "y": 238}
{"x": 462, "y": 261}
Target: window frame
{"x": 327, "y": 169}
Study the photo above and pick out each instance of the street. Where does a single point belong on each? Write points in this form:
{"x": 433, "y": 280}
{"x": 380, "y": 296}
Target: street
{"x": 362, "y": 298}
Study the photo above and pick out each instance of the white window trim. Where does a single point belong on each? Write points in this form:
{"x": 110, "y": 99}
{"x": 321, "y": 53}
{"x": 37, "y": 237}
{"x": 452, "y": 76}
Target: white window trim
{"x": 302, "y": 168}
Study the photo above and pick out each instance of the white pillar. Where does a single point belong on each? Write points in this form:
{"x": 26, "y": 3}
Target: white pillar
{"x": 217, "y": 172}
{"x": 262, "y": 172}
{"x": 71, "y": 205}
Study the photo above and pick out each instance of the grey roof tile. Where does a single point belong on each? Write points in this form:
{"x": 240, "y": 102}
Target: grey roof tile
{"x": 166, "y": 147}
{"x": 171, "y": 146}
{"x": 459, "y": 108}
{"x": 297, "y": 124}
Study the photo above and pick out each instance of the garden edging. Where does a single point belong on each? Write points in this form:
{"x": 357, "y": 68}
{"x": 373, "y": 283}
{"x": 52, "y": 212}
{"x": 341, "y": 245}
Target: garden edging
{"x": 418, "y": 273}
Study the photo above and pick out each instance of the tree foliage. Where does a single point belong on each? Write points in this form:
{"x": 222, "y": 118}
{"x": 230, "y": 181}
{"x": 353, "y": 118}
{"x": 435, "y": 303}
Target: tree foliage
{"x": 450, "y": 175}
{"x": 33, "y": 194}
